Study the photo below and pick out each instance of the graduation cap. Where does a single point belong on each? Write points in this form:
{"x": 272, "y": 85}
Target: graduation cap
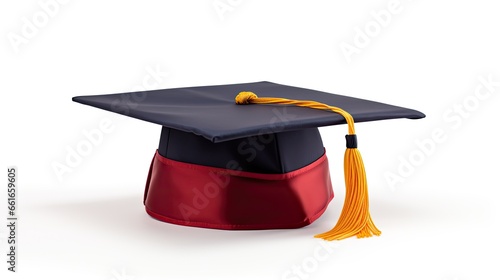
{"x": 250, "y": 156}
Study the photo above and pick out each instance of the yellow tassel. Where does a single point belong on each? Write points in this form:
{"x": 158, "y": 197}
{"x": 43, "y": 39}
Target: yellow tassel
{"x": 355, "y": 217}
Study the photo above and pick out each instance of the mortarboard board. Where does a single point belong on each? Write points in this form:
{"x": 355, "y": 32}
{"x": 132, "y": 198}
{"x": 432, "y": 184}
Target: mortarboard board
{"x": 261, "y": 166}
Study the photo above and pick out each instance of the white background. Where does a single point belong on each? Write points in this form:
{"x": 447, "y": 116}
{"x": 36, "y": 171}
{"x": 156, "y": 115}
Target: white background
{"x": 441, "y": 222}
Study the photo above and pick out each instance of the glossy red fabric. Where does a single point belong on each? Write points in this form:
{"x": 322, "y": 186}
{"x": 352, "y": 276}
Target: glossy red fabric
{"x": 201, "y": 196}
